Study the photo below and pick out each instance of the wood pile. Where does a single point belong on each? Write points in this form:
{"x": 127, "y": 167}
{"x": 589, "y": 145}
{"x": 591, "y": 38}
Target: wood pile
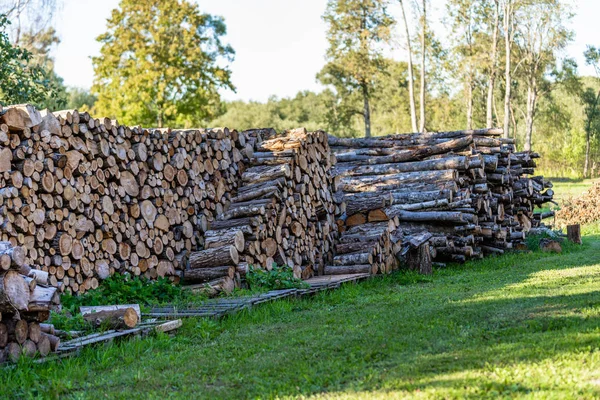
{"x": 282, "y": 211}
{"x": 87, "y": 197}
{"x": 581, "y": 210}
{"x": 25, "y": 301}
{"x": 469, "y": 190}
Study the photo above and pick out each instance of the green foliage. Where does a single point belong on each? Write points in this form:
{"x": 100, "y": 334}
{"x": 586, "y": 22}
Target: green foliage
{"x": 306, "y": 109}
{"x": 279, "y": 277}
{"x": 38, "y": 45}
{"x": 124, "y": 289}
{"x": 21, "y": 80}
{"x": 161, "y": 63}
{"x": 80, "y": 99}
{"x": 357, "y": 32}
{"x": 66, "y": 321}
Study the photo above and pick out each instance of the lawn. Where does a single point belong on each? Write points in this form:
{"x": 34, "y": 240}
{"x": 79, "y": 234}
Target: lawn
{"x": 522, "y": 325}
{"x": 565, "y": 188}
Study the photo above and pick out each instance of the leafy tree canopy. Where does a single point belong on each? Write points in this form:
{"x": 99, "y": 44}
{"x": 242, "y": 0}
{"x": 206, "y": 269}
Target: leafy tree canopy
{"x": 21, "y": 80}
{"x": 161, "y": 63}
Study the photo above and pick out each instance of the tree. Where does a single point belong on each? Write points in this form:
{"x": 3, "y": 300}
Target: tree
{"x": 423, "y": 70}
{"x": 411, "y": 79}
{"x": 493, "y": 66}
{"x": 20, "y": 80}
{"x": 80, "y": 99}
{"x": 465, "y": 26}
{"x": 591, "y": 101}
{"x": 39, "y": 46}
{"x": 509, "y": 35}
{"x": 32, "y": 16}
{"x": 542, "y": 34}
{"x": 161, "y": 63}
{"x": 357, "y": 30}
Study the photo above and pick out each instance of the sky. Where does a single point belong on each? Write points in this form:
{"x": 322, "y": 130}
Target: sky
{"x": 280, "y": 45}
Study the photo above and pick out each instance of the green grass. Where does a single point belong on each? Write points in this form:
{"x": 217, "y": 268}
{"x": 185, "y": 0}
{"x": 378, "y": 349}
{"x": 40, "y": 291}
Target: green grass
{"x": 518, "y": 326}
{"x": 566, "y": 188}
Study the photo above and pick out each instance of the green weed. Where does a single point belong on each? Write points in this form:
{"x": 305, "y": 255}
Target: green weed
{"x": 279, "y": 277}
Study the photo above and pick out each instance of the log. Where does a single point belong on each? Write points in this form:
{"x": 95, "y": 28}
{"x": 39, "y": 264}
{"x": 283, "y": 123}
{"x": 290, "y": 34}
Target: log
{"x": 208, "y": 274}
{"x": 14, "y": 292}
{"x": 44, "y": 347}
{"x": 11, "y": 257}
{"x": 574, "y": 233}
{"x": 85, "y": 310}
{"x": 126, "y": 318}
{"x": 18, "y": 331}
{"x": 168, "y": 326}
{"x": 228, "y": 237}
{"x": 356, "y": 169}
{"x": 54, "y": 341}
{"x": 347, "y": 269}
{"x": 224, "y": 255}
{"x": 22, "y": 116}
{"x": 353, "y": 259}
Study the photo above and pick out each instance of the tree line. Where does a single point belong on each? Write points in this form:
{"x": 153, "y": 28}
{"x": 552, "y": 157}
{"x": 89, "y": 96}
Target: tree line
{"x": 499, "y": 63}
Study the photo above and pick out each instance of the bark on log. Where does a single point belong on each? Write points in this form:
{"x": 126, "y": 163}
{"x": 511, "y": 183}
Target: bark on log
{"x": 115, "y": 319}
{"x": 224, "y": 255}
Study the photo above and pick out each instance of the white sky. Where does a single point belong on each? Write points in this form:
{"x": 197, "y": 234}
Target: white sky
{"x": 280, "y": 44}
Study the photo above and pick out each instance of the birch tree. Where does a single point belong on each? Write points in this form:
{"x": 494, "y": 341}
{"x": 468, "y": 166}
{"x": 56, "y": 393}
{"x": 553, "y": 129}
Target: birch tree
{"x": 543, "y": 34}
{"x": 411, "y": 79}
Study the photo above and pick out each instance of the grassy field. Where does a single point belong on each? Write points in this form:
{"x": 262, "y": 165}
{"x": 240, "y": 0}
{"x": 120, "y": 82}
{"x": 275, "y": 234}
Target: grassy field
{"x": 523, "y": 325}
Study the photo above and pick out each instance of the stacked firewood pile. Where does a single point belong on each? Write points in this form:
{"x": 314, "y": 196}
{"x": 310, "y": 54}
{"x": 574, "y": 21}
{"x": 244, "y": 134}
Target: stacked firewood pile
{"x": 582, "y": 210}
{"x": 25, "y": 301}
{"x": 365, "y": 248}
{"x": 468, "y": 190}
{"x": 282, "y": 212}
{"x": 87, "y": 197}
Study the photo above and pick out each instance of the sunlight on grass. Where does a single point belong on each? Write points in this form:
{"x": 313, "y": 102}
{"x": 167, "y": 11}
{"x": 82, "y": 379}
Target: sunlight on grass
{"x": 520, "y": 326}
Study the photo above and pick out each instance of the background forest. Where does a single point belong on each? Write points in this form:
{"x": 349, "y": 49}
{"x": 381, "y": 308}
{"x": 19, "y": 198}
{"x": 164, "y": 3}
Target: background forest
{"x": 499, "y": 63}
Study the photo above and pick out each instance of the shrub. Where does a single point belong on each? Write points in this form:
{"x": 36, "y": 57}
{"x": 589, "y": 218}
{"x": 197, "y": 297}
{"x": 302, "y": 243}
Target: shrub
{"x": 279, "y": 277}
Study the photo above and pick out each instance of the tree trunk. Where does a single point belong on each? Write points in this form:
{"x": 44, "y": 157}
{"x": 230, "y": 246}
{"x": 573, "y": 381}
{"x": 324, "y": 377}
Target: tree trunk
{"x": 470, "y": 101}
{"x": 423, "y": 82}
{"x": 411, "y": 79}
{"x": 366, "y": 111}
{"x": 574, "y": 233}
{"x": 507, "y": 45}
{"x": 492, "y": 79}
{"x": 531, "y": 104}
{"x": 159, "y": 118}
{"x": 586, "y": 166}
{"x": 116, "y": 319}
{"x": 588, "y": 127}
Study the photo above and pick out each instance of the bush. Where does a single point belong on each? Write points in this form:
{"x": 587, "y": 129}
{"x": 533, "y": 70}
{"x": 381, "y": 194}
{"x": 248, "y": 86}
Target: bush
{"x": 124, "y": 289}
{"x": 279, "y": 277}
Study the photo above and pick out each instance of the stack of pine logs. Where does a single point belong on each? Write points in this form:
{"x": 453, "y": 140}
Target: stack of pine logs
{"x": 282, "y": 212}
{"x": 25, "y": 301}
{"x": 87, "y": 197}
{"x": 469, "y": 191}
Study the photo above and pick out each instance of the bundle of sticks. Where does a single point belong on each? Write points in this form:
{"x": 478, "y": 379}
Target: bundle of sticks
{"x": 469, "y": 190}
{"x": 25, "y": 301}
{"x": 87, "y": 197}
{"x": 281, "y": 213}
{"x": 582, "y": 210}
